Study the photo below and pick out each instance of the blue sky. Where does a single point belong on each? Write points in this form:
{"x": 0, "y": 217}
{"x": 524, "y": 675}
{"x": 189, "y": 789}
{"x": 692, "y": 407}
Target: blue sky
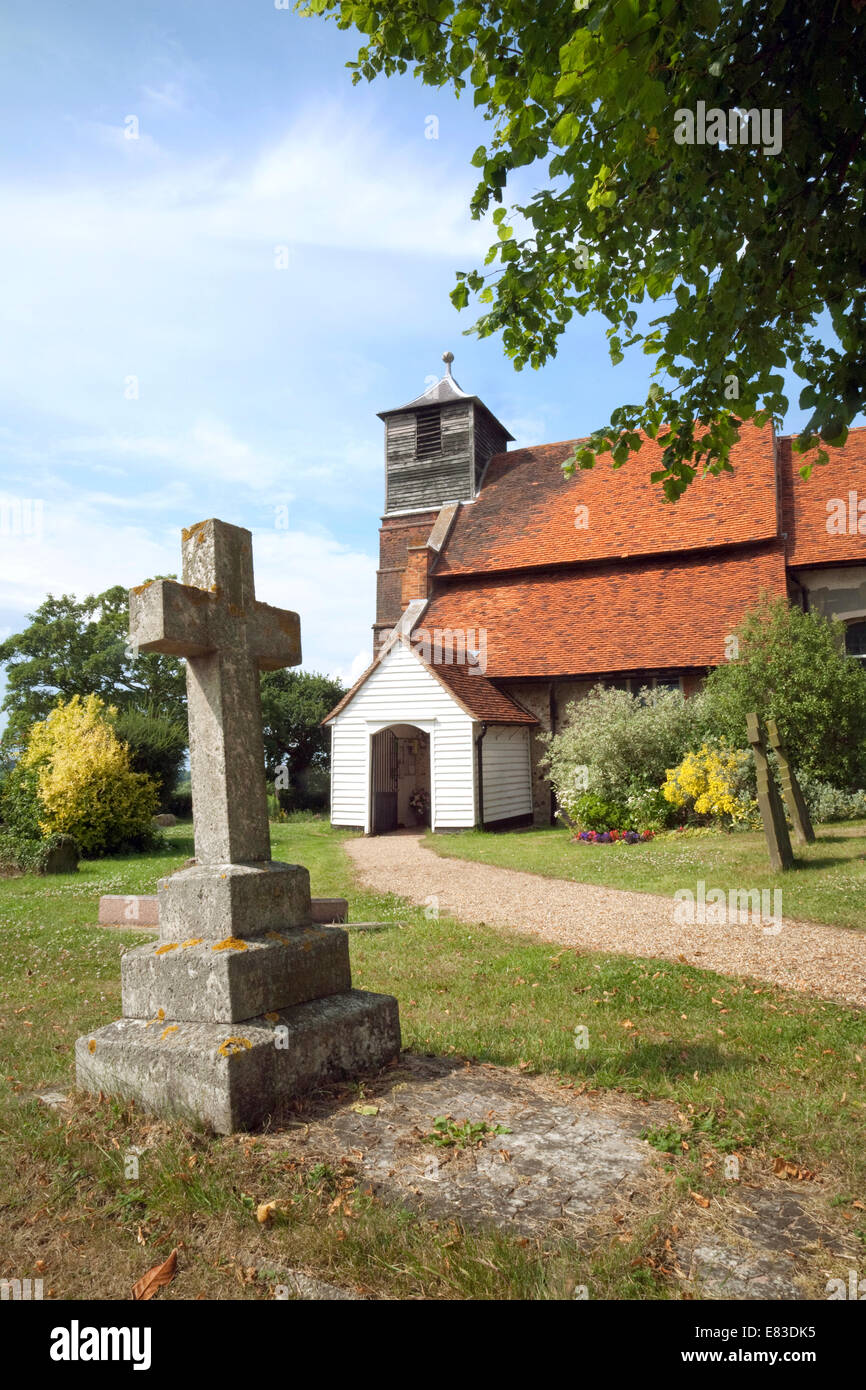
{"x": 154, "y": 259}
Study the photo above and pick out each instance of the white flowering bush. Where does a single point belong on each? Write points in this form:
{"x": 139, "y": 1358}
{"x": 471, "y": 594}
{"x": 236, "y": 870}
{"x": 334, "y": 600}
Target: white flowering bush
{"x": 618, "y": 747}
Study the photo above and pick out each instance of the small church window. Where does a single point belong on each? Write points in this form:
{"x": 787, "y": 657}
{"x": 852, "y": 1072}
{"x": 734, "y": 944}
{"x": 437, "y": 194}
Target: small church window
{"x": 855, "y": 640}
{"x": 428, "y": 432}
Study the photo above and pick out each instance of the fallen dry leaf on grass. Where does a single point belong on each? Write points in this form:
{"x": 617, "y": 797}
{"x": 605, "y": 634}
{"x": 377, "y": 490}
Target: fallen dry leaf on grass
{"x": 783, "y": 1169}
{"x": 700, "y": 1199}
{"x": 155, "y": 1279}
{"x": 265, "y": 1211}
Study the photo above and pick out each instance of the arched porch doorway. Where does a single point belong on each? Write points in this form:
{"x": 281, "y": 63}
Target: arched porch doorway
{"x": 400, "y": 791}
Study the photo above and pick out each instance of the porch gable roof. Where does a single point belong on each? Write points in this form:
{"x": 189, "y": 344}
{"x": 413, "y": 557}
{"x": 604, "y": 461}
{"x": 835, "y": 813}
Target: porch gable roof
{"x": 478, "y": 697}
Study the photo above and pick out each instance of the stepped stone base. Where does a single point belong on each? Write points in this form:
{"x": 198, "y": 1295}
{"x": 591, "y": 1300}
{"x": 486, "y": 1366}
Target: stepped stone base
{"x": 235, "y": 1076}
{"x": 142, "y": 910}
{"x": 202, "y": 981}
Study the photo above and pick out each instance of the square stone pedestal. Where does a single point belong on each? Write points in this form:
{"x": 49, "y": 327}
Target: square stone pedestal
{"x": 241, "y": 1005}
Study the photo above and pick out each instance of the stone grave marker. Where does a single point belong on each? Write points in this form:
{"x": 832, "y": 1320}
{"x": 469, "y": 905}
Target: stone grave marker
{"x": 791, "y": 790}
{"x": 769, "y": 801}
{"x": 243, "y": 1002}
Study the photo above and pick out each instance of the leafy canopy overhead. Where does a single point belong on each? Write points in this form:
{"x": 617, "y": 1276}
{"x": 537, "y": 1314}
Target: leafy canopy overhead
{"x": 741, "y": 249}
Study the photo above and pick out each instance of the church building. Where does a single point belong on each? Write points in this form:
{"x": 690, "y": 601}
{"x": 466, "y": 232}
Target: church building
{"x": 506, "y": 591}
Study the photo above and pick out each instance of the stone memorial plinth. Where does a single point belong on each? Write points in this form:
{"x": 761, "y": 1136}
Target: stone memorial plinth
{"x": 243, "y": 1002}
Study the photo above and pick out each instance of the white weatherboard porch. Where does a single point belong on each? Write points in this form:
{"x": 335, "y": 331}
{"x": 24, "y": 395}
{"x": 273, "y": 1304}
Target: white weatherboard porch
{"x": 370, "y": 775}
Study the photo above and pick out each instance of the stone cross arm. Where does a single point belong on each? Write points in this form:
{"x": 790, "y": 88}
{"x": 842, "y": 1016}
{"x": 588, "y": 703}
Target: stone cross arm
{"x": 182, "y": 620}
{"x": 215, "y": 620}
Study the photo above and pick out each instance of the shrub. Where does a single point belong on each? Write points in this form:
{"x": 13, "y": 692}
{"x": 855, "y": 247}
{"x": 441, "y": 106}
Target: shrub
{"x": 84, "y": 783}
{"x": 157, "y": 745}
{"x": 179, "y": 803}
{"x": 619, "y": 746}
{"x": 592, "y": 812}
{"x": 714, "y": 782}
{"x": 33, "y": 855}
{"x": 19, "y": 807}
{"x": 792, "y": 668}
{"x": 827, "y": 803}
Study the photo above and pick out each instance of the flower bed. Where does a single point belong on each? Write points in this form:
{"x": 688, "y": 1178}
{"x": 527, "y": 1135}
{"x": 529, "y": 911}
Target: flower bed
{"x": 613, "y": 837}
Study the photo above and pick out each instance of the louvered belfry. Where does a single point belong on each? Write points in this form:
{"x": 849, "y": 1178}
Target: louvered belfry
{"x": 438, "y": 446}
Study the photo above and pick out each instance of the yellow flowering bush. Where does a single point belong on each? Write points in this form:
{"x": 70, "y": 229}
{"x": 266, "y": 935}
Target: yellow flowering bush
{"x": 713, "y": 782}
{"x": 85, "y": 784}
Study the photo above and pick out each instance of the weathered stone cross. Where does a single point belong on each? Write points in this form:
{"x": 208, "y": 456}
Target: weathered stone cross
{"x": 244, "y": 1003}
{"x": 214, "y": 619}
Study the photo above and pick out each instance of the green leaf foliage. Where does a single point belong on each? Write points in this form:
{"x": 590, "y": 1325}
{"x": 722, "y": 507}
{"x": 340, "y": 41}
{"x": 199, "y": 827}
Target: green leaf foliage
{"x": 80, "y": 647}
{"x": 792, "y": 668}
{"x": 743, "y": 245}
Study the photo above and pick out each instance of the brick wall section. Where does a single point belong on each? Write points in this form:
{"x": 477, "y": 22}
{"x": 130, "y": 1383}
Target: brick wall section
{"x": 395, "y": 536}
{"x": 415, "y": 582}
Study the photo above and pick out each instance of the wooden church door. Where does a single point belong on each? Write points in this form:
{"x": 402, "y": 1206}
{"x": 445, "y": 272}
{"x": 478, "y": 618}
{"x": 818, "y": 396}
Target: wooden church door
{"x": 384, "y": 779}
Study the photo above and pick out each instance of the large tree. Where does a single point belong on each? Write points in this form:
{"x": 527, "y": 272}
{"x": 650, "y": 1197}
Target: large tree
{"x": 81, "y": 647}
{"x": 294, "y": 703}
{"x": 791, "y": 666}
{"x": 743, "y": 245}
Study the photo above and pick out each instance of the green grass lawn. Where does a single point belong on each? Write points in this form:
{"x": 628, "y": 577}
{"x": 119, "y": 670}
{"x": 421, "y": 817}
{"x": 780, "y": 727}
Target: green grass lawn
{"x": 827, "y": 885}
{"x": 750, "y": 1069}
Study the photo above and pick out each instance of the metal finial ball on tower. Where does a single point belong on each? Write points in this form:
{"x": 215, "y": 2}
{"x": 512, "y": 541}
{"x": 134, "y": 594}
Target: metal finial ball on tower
{"x": 448, "y": 358}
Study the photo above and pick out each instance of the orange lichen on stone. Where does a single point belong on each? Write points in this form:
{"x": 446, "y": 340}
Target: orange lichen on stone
{"x": 232, "y": 1045}
{"x": 231, "y": 943}
{"x": 140, "y": 588}
{"x": 91, "y": 1046}
{"x": 277, "y": 936}
{"x": 193, "y": 941}
{"x": 172, "y": 1028}
{"x": 272, "y": 1018}
{"x": 160, "y": 1018}
{"x": 162, "y": 950}
{"x": 236, "y": 612}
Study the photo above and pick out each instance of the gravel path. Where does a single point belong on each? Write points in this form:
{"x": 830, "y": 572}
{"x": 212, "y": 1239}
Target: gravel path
{"x": 830, "y": 961}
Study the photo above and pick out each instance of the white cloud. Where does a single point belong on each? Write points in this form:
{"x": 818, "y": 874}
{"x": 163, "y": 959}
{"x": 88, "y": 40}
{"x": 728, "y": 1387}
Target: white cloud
{"x": 208, "y": 447}
{"x": 85, "y": 548}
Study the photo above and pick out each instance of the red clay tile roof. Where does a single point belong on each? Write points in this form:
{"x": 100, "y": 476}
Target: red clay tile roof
{"x": 479, "y": 697}
{"x": 643, "y": 616}
{"x": 525, "y": 516}
{"x": 805, "y": 504}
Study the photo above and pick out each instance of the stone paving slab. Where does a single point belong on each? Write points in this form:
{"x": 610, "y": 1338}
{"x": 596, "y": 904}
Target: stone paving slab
{"x": 573, "y": 1164}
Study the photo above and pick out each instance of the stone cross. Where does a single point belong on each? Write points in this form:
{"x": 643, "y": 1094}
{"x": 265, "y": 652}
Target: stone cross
{"x": 215, "y": 620}
{"x": 243, "y": 1003}
{"x": 791, "y": 790}
{"x": 772, "y": 810}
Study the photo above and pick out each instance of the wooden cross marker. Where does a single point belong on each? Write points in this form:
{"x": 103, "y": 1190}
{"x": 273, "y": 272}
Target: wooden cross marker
{"x": 792, "y": 792}
{"x": 772, "y": 810}
{"x": 227, "y": 636}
